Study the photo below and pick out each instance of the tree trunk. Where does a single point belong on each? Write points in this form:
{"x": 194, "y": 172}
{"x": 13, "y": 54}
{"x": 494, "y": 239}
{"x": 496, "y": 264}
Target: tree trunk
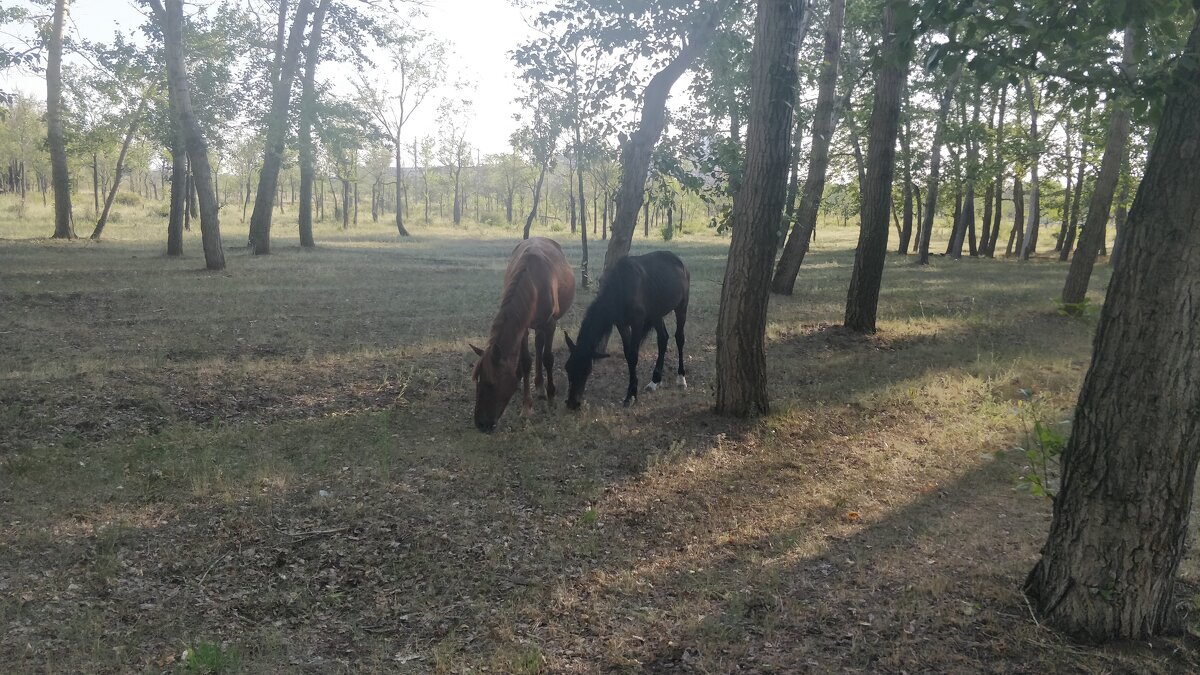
{"x": 1073, "y": 226}
{"x": 178, "y": 197}
{"x": 584, "y": 279}
{"x": 636, "y": 150}
{"x": 1017, "y": 236}
{"x": 116, "y": 183}
{"x": 1108, "y": 567}
{"x": 55, "y": 135}
{"x": 1035, "y": 203}
{"x": 742, "y": 319}
{"x": 537, "y": 197}
{"x": 1079, "y": 276}
{"x": 276, "y": 133}
{"x": 796, "y": 247}
{"x": 998, "y": 211}
{"x": 862, "y": 301}
{"x": 197, "y": 149}
{"x": 907, "y": 191}
{"x": 1122, "y": 218}
{"x": 935, "y": 167}
{"x": 966, "y": 225}
{"x": 308, "y": 100}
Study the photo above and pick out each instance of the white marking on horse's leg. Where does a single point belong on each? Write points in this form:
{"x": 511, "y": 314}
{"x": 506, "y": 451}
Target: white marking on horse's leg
{"x": 681, "y": 381}
{"x": 652, "y": 386}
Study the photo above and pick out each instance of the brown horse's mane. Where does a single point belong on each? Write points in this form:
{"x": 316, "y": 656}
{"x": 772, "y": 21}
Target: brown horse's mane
{"x": 516, "y": 306}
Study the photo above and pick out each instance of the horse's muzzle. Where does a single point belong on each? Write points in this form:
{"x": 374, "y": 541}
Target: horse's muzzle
{"x": 485, "y": 427}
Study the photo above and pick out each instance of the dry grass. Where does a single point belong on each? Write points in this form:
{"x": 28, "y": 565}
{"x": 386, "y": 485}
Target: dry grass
{"x": 274, "y": 469}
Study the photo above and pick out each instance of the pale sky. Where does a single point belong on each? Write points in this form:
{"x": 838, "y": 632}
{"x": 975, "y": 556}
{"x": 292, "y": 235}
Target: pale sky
{"x": 480, "y": 34}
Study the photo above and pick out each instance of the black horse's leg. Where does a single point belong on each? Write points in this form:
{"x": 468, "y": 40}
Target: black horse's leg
{"x": 525, "y": 365}
{"x": 631, "y": 337}
{"x": 548, "y": 362}
{"x": 663, "y": 338}
{"x": 680, "y": 320}
{"x": 539, "y": 347}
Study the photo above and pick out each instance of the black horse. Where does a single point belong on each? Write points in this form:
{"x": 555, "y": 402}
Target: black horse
{"x": 637, "y": 293}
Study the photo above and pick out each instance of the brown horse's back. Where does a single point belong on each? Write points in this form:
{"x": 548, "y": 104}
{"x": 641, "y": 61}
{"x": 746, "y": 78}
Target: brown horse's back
{"x": 551, "y": 275}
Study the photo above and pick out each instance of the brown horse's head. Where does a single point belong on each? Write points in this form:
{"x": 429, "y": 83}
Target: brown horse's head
{"x": 496, "y": 381}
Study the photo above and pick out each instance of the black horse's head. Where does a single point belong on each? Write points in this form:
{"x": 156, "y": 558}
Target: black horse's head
{"x": 579, "y": 367}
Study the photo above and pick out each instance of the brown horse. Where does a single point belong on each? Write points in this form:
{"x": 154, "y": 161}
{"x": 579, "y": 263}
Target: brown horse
{"x": 539, "y": 287}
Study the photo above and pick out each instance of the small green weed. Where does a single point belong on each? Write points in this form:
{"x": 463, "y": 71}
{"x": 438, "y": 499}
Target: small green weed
{"x": 1043, "y": 446}
{"x": 206, "y": 657}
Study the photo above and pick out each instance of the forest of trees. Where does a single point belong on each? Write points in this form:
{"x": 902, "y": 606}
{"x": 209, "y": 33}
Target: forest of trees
{"x": 1050, "y": 126}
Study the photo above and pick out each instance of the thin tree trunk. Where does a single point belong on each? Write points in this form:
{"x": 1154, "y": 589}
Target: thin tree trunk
{"x": 55, "y": 135}
{"x": 1079, "y": 276}
{"x": 796, "y": 246}
{"x": 998, "y": 212}
{"x": 179, "y": 179}
{"x": 741, "y": 322}
{"x": 862, "y": 300}
{"x": 636, "y": 150}
{"x": 1017, "y": 236}
{"x": 1119, "y": 529}
{"x": 1035, "y": 203}
{"x": 276, "y": 133}
{"x": 197, "y": 148}
{"x": 1076, "y": 200}
{"x": 537, "y": 197}
{"x": 308, "y": 98}
{"x": 935, "y": 167}
{"x": 116, "y": 183}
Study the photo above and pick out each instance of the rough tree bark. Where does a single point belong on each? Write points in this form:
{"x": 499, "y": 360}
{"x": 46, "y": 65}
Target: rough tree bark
{"x": 276, "y": 133}
{"x": 824, "y": 120}
{"x": 1076, "y": 286}
{"x": 1108, "y": 567}
{"x": 55, "y": 136}
{"x": 638, "y": 147}
{"x": 210, "y": 227}
{"x": 862, "y": 300}
{"x": 742, "y": 319}
{"x": 308, "y": 100}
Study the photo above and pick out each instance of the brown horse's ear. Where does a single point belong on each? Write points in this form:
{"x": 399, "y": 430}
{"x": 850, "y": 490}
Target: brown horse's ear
{"x": 477, "y": 350}
{"x": 570, "y": 343}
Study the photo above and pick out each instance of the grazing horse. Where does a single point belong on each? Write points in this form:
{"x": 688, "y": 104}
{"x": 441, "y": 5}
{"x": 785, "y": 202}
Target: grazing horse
{"x": 637, "y": 293}
{"x": 539, "y": 287}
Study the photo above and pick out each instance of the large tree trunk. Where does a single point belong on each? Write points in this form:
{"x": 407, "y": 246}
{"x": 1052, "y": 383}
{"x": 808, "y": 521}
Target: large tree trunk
{"x": 1108, "y": 568}
{"x": 197, "y": 149}
{"x": 742, "y": 319}
{"x": 1029, "y": 247}
{"x": 276, "y": 133}
{"x": 308, "y": 100}
{"x": 796, "y": 247}
{"x": 935, "y": 168}
{"x": 636, "y": 150}
{"x": 862, "y": 300}
{"x": 55, "y": 135}
{"x": 1090, "y": 243}
{"x": 116, "y": 183}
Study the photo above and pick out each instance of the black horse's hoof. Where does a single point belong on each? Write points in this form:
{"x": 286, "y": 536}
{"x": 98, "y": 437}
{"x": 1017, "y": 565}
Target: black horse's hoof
{"x": 629, "y": 400}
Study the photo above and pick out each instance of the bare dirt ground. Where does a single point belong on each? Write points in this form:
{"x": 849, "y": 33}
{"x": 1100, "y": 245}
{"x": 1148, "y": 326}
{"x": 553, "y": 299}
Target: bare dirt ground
{"x": 274, "y": 469}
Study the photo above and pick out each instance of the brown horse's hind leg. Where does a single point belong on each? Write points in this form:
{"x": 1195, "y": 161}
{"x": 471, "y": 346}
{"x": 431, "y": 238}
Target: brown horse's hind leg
{"x": 539, "y": 346}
